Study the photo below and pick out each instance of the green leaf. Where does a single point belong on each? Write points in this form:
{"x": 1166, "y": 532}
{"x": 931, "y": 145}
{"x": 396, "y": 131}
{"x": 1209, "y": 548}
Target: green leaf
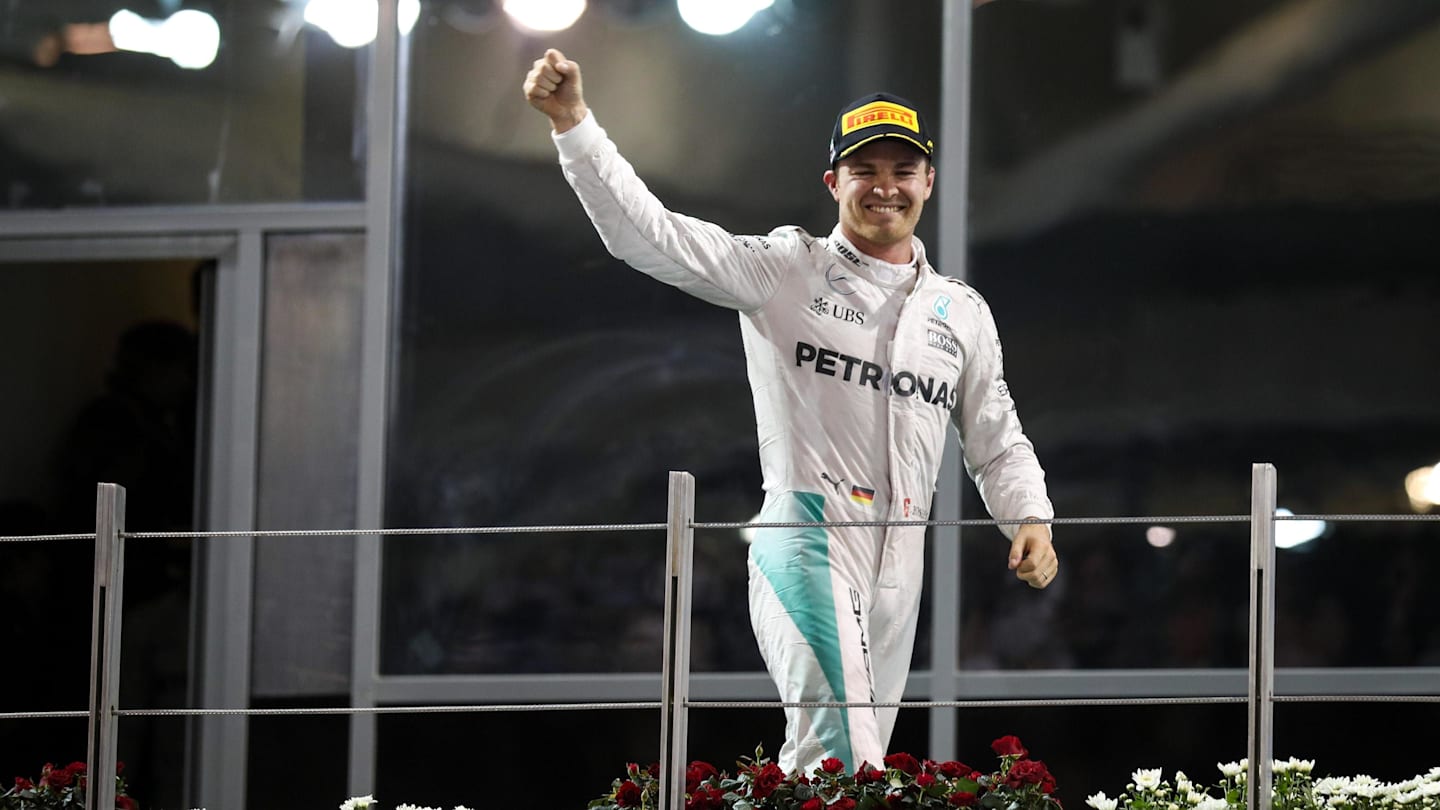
{"x": 744, "y": 804}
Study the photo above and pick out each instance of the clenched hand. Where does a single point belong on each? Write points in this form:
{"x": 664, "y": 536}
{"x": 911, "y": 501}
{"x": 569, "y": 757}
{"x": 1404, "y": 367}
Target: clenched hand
{"x": 1032, "y": 557}
{"x": 553, "y": 87}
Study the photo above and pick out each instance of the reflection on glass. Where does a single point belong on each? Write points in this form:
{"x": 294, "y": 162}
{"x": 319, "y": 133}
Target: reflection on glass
{"x": 1204, "y": 230}
{"x": 241, "y": 102}
{"x": 542, "y": 382}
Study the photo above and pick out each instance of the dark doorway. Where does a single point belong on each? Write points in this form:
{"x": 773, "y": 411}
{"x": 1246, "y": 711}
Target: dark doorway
{"x": 101, "y": 362}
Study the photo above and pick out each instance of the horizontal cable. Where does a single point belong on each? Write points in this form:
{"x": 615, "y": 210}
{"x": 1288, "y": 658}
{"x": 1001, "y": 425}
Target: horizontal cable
{"x": 1171, "y": 519}
{"x": 503, "y": 707}
{"x": 1158, "y": 520}
{"x": 1161, "y": 520}
{"x": 736, "y": 704}
{"x": 1365, "y": 518}
{"x": 597, "y": 527}
{"x": 35, "y": 538}
{"x": 1357, "y": 698}
{"x": 960, "y": 704}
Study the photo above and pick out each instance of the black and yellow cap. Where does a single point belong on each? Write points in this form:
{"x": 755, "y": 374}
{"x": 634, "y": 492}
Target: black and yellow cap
{"x": 879, "y": 115}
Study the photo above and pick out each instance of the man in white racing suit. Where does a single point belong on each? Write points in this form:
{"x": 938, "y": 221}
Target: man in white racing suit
{"x": 859, "y": 353}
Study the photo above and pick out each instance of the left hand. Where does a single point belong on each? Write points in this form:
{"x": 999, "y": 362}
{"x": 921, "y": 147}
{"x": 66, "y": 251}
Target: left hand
{"x": 1032, "y": 557}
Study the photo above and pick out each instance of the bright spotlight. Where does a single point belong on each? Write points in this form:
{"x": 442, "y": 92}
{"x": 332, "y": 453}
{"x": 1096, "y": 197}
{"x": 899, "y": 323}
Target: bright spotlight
{"x": 353, "y": 23}
{"x": 1423, "y": 487}
{"x": 544, "y": 15}
{"x": 720, "y": 17}
{"x": 1292, "y": 533}
{"x": 189, "y": 38}
{"x": 1159, "y": 536}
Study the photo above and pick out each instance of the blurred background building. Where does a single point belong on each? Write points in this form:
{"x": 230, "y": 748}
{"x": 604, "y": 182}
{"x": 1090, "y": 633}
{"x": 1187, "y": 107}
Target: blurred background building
{"x": 269, "y": 270}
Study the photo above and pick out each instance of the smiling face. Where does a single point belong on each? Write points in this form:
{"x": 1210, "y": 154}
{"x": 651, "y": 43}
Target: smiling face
{"x": 881, "y": 189}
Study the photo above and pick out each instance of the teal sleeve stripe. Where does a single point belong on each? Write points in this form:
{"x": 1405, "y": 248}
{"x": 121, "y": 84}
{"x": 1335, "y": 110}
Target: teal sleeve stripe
{"x": 796, "y": 562}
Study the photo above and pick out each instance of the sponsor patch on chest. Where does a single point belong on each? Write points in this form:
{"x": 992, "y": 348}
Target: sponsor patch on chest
{"x": 943, "y": 342}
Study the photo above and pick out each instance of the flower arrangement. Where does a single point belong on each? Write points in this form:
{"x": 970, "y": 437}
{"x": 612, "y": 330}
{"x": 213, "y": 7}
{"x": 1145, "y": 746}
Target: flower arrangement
{"x": 61, "y": 789}
{"x": 1019, "y": 783}
{"x": 1294, "y": 788}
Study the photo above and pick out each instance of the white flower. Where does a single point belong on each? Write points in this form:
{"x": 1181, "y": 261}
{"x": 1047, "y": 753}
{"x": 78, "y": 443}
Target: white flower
{"x": 1100, "y": 802}
{"x": 357, "y": 803}
{"x": 461, "y": 807}
{"x": 1295, "y": 765}
{"x": 1366, "y": 787}
{"x": 1280, "y": 766}
{"x": 1231, "y": 768}
{"x": 1146, "y": 778}
{"x": 1303, "y": 765}
{"x": 1211, "y": 803}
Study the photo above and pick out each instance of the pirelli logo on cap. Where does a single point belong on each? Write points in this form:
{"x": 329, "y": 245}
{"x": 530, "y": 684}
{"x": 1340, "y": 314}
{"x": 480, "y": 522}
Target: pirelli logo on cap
{"x": 880, "y": 112}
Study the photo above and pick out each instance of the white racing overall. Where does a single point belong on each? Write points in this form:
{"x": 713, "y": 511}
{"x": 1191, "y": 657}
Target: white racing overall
{"x": 856, "y": 366}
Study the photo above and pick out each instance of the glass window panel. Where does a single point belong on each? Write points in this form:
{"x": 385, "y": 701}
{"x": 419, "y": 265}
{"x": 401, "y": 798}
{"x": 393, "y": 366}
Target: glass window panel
{"x": 539, "y": 380}
{"x": 1205, "y": 232}
{"x": 309, "y": 417}
{"x": 274, "y": 118}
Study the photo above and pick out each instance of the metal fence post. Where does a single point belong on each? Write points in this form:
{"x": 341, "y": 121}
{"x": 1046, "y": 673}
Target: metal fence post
{"x": 675, "y": 678}
{"x": 105, "y": 644}
{"x": 1262, "y": 636}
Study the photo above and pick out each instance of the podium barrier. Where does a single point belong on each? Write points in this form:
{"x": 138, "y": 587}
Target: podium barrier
{"x": 675, "y": 704}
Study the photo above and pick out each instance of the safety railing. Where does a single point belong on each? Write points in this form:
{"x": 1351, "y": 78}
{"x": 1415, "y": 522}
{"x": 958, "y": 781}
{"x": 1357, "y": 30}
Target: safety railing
{"x": 675, "y": 704}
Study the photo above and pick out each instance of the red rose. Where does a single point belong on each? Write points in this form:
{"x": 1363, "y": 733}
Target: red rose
{"x": 924, "y": 780}
{"x": 867, "y": 774}
{"x": 962, "y": 798}
{"x": 903, "y": 762}
{"x": 955, "y": 770}
{"x": 1029, "y": 772}
{"x": 814, "y": 804}
{"x": 56, "y": 777}
{"x": 832, "y": 765}
{"x": 126, "y": 803}
{"x": 706, "y": 798}
{"x": 766, "y": 780}
{"x": 653, "y": 770}
{"x": 843, "y": 803}
{"x": 628, "y": 794}
{"x": 698, "y": 772}
{"x": 1008, "y": 746}
{"x": 21, "y": 783}
{"x": 119, "y": 767}
{"x": 76, "y": 767}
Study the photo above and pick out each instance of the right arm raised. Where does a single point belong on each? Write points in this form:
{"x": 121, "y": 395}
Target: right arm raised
{"x": 696, "y": 256}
